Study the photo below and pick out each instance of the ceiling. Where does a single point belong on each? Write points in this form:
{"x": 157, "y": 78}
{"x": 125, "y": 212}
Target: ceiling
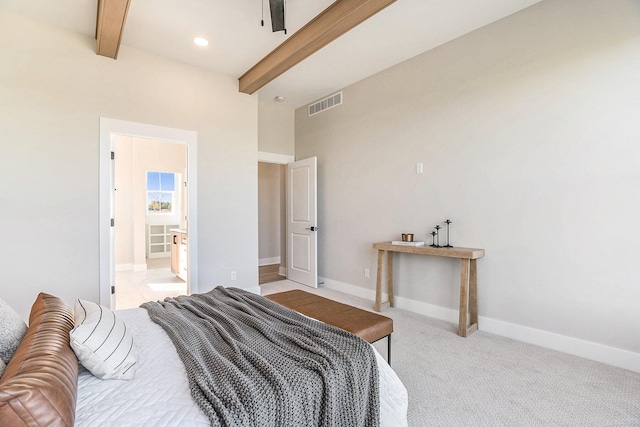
{"x": 237, "y": 40}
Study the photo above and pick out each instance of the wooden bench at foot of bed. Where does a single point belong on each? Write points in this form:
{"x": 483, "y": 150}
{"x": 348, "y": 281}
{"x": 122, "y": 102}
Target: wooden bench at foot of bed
{"x": 367, "y": 325}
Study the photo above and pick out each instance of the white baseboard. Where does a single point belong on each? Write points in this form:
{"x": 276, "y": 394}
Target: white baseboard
{"x": 283, "y": 271}
{"x": 124, "y": 267}
{"x": 269, "y": 261}
{"x": 356, "y": 291}
{"x": 419, "y": 307}
{"x": 589, "y": 350}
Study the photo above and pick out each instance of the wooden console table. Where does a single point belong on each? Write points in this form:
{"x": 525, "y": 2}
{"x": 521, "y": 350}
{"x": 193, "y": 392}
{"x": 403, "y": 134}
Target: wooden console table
{"x": 468, "y": 322}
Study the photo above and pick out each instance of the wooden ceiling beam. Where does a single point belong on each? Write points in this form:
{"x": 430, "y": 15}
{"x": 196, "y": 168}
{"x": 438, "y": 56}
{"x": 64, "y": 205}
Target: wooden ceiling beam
{"x": 112, "y": 15}
{"x": 334, "y": 21}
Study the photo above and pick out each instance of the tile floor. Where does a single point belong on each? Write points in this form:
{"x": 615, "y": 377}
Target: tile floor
{"x": 157, "y": 282}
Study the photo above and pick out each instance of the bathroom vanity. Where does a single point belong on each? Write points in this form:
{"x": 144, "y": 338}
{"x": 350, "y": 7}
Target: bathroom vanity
{"x": 179, "y": 253}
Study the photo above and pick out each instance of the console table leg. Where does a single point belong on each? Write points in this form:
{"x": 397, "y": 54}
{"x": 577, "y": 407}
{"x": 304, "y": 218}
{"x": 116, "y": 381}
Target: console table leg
{"x": 378, "y": 305}
{"x": 390, "y": 277}
{"x": 464, "y": 297}
{"x": 473, "y": 294}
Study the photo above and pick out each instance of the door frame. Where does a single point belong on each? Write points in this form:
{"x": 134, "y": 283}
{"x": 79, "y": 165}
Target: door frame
{"x": 108, "y": 128}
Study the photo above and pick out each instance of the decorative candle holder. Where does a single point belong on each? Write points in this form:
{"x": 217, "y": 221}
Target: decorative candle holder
{"x": 433, "y": 236}
{"x": 448, "y": 245}
{"x": 437, "y": 227}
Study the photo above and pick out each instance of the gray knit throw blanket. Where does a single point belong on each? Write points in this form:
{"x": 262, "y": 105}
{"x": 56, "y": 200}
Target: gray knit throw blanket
{"x": 252, "y": 362}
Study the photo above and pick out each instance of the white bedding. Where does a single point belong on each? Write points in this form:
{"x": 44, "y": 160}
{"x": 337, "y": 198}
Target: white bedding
{"x": 159, "y": 394}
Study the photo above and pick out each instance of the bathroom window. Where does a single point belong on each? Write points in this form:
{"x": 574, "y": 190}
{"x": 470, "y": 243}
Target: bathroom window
{"x": 161, "y": 188}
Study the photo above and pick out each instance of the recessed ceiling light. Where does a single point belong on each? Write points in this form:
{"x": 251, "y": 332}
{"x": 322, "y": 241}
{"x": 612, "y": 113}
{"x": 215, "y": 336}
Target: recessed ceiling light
{"x": 280, "y": 98}
{"x": 201, "y": 41}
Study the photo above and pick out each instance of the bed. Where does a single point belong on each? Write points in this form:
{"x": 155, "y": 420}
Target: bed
{"x": 44, "y": 385}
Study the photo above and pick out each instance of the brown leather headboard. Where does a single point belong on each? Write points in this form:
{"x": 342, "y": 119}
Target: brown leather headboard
{"x": 39, "y": 385}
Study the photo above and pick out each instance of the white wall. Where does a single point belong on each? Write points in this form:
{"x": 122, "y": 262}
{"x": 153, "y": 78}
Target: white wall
{"x": 53, "y": 91}
{"x": 275, "y": 127}
{"x": 529, "y": 134}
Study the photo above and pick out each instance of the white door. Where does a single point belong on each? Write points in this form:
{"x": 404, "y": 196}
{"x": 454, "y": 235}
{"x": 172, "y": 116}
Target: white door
{"x": 302, "y": 246}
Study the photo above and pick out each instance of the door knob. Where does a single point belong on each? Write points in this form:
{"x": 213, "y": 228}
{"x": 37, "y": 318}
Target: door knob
{"x": 312, "y": 228}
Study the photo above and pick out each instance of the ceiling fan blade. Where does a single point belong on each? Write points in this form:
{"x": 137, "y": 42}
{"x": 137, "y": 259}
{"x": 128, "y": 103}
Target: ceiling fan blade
{"x": 277, "y": 15}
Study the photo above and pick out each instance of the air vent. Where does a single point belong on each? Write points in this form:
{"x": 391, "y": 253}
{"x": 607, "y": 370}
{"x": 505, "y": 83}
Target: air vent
{"x": 325, "y": 104}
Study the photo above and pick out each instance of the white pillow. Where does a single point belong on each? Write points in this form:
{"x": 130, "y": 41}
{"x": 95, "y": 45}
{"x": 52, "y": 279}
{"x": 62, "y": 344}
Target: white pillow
{"x": 2, "y": 367}
{"x": 12, "y": 329}
{"x": 101, "y": 342}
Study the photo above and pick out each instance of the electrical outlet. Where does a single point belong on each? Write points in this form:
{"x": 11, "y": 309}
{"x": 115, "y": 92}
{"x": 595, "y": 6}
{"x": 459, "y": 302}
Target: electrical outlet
{"x": 419, "y": 167}
{"x": 233, "y": 275}
{"x": 366, "y": 273}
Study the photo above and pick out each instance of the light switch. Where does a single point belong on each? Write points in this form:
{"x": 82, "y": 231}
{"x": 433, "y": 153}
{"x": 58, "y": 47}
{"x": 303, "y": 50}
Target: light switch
{"x": 419, "y": 167}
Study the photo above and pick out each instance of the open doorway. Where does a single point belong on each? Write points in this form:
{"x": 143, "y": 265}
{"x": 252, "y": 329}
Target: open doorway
{"x": 150, "y": 215}
{"x": 271, "y": 222}
{"x": 110, "y": 129}
{"x": 287, "y": 212}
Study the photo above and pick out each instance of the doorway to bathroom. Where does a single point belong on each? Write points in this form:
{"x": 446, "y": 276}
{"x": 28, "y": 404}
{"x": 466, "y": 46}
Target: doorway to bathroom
{"x": 150, "y": 209}
{"x": 172, "y": 197}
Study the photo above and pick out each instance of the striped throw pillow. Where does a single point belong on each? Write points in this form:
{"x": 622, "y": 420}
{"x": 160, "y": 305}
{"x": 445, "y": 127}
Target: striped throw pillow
{"x": 101, "y": 342}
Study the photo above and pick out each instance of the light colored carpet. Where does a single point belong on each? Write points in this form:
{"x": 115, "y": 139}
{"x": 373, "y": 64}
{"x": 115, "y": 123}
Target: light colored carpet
{"x": 488, "y": 380}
